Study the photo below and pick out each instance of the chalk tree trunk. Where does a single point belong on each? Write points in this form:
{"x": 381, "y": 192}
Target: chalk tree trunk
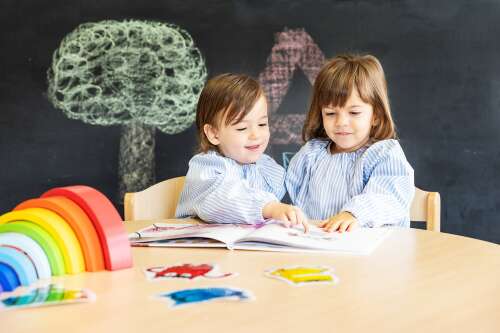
{"x": 136, "y": 165}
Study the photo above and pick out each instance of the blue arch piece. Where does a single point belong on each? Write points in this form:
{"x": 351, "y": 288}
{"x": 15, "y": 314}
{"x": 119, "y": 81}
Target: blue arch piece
{"x": 23, "y": 266}
{"x": 31, "y": 249}
{"x": 8, "y": 277}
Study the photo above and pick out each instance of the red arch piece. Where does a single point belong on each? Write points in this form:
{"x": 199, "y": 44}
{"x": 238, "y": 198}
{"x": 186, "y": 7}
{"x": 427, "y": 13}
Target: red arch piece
{"x": 106, "y": 220}
{"x": 79, "y": 222}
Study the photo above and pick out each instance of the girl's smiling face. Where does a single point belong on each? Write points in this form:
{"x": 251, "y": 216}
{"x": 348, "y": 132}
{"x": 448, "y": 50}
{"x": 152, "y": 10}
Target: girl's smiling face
{"x": 244, "y": 141}
{"x": 348, "y": 126}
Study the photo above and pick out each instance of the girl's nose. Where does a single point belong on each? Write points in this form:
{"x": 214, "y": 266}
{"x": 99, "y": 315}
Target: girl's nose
{"x": 341, "y": 119}
{"x": 254, "y": 133}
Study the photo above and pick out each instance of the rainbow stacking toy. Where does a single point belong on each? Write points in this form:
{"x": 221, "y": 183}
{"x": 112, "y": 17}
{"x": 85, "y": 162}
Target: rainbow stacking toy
{"x": 68, "y": 230}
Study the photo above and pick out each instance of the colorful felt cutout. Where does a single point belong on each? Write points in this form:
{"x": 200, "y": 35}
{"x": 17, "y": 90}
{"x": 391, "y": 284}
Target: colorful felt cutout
{"x": 303, "y": 275}
{"x": 185, "y": 271}
{"x": 198, "y": 295}
{"x": 44, "y": 296}
{"x": 31, "y": 249}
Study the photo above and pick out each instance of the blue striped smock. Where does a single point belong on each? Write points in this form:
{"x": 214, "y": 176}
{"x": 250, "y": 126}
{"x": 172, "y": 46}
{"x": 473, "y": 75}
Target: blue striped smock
{"x": 374, "y": 183}
{"x": 220, "y": 190}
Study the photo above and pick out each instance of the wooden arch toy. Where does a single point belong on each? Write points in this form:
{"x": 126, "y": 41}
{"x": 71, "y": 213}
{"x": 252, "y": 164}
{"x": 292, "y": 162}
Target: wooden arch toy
{"x": 79, "y": 222}
{"x": 106, "y": 220}
{"x": 22, "y": 265}
{"x": 31, "y": 248}
{"x": 67, "y": 230}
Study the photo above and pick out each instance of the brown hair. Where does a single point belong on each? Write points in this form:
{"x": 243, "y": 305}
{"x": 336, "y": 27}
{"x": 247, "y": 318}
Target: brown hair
{"x": 229, "y": 96}
{"x": 334, "y": 85}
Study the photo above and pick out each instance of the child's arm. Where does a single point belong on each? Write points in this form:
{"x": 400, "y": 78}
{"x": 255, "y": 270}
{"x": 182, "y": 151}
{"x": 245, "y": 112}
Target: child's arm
{"x": 299, "y": 169}
{"x": 273, "y": 174}
{"x": 215, "y": 192}
{"x": 295, "y": 174}
{"x": 387, "y": 196}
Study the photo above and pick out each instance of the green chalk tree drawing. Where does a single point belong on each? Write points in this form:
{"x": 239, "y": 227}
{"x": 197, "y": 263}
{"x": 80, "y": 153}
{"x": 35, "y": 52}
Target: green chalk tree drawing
{"x": 141, "y": 75}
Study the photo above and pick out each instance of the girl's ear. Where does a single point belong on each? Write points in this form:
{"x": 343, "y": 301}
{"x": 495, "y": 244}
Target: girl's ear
{"x": 375, "y": 121}
{"x": 212, "y": 134}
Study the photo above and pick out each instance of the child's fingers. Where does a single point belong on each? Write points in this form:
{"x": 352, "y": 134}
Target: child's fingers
{"x": 332, "y": 226}
{"x": 292, "y": 217}
{"x": 324, "y": 223}
{"x": 306, "y": 226}
{"x": 302, "y": 220}
{"x": 352, "y": 226}
{"x": 344, "y": 225}
{"x": 284, "y": 219}
{"x": 286, "y": 223}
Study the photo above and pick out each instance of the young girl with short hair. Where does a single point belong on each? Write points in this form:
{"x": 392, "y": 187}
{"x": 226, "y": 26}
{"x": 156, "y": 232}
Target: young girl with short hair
{"x": 231, "y": 180}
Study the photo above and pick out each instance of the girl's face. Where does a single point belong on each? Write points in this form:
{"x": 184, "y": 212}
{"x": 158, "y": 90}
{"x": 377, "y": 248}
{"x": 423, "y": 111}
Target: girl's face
{"x": 349, "y": 126}
{"x": 246, "y": 140}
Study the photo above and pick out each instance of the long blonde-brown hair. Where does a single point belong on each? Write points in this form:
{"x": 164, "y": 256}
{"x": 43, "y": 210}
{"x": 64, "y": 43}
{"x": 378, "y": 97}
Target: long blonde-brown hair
{"x": 227, "y": 97}
{"x": 333, "y": 86}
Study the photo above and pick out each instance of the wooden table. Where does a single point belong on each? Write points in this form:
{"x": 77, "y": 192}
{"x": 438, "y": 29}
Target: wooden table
{"x": 416, "y": 281}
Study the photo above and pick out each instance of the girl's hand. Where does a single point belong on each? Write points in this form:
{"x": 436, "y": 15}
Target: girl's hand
{"x": 343, "y": 221}
{"x": 291, "y": 215}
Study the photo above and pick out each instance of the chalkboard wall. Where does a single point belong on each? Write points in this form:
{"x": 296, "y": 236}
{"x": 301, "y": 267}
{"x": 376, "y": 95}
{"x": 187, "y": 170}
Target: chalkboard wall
{"x": 442, "y": 61}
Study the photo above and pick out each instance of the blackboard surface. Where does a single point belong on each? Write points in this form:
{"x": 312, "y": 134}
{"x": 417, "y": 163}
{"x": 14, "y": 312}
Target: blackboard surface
{"x": 442, "y": 61}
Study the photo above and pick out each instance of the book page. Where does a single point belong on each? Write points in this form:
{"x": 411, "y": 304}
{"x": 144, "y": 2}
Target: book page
{"x": 183, "y": 242}
{"x": 226, "y": 233}
{"x": 359, "y": 241}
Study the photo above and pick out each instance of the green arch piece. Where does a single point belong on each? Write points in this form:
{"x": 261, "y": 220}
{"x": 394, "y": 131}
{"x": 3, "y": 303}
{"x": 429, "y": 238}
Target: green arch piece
{"x": 43, "y": 238}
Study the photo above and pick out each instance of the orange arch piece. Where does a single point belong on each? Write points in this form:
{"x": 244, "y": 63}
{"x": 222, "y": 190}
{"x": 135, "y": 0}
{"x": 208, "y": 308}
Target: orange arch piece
{"x": 106, "y": 220}
{"x": 79, "y": 222}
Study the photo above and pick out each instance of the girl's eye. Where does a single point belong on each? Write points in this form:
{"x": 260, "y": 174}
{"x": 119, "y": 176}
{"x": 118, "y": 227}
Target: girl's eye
{"x": 330, "y": 113}
{"x": 263, "y": 125}
{"x": 241, "y": 129}
{"x": 355, "y": 113}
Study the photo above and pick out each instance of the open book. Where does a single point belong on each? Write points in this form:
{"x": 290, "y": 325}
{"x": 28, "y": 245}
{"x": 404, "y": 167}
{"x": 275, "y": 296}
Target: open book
{"x": 271, "y": 236}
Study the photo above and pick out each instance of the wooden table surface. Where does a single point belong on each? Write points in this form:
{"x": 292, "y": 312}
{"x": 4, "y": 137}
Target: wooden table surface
{"x": 415, "y": 281}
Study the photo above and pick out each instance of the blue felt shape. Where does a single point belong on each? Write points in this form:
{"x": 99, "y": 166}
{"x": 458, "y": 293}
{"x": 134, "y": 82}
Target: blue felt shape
{"x": 187, "y": 296}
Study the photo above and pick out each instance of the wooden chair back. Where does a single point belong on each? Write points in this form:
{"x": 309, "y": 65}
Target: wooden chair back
{"x": 158, "y": 201}
{"x": 426, "y": 207}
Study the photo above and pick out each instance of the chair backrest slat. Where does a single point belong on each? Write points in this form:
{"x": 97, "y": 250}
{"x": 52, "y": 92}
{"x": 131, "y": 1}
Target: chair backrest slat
{"x": 426, "y": 207}
{"x": 156, "y": 202}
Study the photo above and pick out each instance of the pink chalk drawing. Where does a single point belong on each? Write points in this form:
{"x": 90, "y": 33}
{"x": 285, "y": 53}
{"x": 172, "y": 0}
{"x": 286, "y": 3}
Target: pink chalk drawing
{"x": 294, "y": 49}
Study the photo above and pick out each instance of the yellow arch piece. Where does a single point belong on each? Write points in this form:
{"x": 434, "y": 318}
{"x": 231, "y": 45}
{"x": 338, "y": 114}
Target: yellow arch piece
{"x": 58, "y": 228}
